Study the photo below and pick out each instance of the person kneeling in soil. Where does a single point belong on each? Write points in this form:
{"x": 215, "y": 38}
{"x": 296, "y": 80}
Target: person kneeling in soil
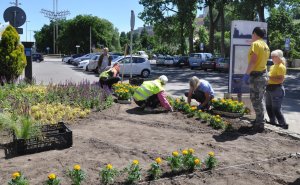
{"x": 201, "y": 91}
{"x": 109, "y": 77}
{"x": 151, "y": 93}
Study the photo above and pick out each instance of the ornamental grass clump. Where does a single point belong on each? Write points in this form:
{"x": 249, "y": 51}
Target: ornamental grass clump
{"x": 108, "y": 174}
{"x": 52, "y": 180}
{"x": 134, "y": 172}
{"x": 175, "y": 162}
{"x": 211, "y": 161}
{"x": 155, "y": 169}
{"x": 77, "y": 175}
{"x": 18, "y": 179}
{"x": 189, "y": 161}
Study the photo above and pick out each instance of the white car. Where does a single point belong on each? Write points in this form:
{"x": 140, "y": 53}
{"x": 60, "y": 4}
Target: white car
{"x": 93, "y": 64}
{"x": 143, "y": 54}
{"x": 83, "y": 64}
{"x": 140, "y": 65}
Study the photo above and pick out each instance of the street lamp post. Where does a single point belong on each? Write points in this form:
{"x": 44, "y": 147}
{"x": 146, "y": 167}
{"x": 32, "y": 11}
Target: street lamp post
{"x": 77, "y": 46}
{"x": 26, "y": 30}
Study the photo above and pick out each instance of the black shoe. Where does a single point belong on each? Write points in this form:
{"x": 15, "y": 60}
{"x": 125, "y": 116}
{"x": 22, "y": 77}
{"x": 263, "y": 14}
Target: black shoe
{"x": 284, "y": 126}
{"x": 271, "y": 123}
{"x": 258, "y": 127}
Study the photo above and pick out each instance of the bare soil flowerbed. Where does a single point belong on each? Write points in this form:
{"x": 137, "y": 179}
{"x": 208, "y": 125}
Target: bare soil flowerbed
{"x": 124, "y": 133}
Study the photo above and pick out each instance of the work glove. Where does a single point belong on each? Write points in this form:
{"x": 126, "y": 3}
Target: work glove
{"x": 200, "y": 107}
{"x": 246, "y": 79}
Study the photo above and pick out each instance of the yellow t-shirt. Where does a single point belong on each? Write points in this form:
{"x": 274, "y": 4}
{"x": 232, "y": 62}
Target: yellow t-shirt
{"x": 276, "y": 70}
{"x": 261, "y": 49}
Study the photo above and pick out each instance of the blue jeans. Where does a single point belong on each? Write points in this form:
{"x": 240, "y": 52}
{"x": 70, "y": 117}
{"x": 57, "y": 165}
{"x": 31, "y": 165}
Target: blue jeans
{"x": 273, "y": 104}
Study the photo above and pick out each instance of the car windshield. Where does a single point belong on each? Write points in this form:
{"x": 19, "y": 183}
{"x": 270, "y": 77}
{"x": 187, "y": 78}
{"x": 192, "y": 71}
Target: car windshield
{"x": 117, "y": 59}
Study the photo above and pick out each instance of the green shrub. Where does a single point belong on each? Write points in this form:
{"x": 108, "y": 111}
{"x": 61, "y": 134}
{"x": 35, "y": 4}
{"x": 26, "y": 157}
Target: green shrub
{"x": 12, "y": 57}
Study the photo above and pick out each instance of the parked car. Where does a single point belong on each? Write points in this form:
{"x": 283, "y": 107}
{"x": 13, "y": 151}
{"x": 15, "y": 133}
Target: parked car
{"x": 69, "y": 61}
{"x": 140, "y": 65}
{"x": 83, "y": 64}
{"x": 222, "y": 64}
{"x": 169, "y": 61}
{"x": 93, "y": 64}
{"x": 76, "y": 61}
{"x": 143, "y": 54}
{"x": 209, "y": 64}
{"x": 37, "y": 57}
{"x": 196, "y": 59}
{"x": 160, "y": 60}
{"x": 182, "y": 61}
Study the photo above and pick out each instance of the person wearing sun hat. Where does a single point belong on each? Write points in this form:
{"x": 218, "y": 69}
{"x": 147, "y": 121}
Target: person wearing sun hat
{"x": 151, "y": 94}
{"x": 275, "y": 90}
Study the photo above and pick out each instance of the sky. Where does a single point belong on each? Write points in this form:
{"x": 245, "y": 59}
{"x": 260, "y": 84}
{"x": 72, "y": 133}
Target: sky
{"x": 118, "y": 12}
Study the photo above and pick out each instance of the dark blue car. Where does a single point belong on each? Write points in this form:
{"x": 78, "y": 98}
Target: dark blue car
{"x": 37, "y": 57}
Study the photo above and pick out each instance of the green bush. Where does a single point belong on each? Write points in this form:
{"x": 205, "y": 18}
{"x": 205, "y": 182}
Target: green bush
{"x": 12, "y": 57}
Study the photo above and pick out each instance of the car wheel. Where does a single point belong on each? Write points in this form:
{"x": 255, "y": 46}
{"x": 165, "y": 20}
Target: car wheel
{"x": 192, "y": 68}
{"x": 145, "y": 73}
{"x": 86, "y": 68}
{"x": 205, "y": 69}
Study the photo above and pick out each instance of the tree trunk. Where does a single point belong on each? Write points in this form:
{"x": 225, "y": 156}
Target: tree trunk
{"x": 211, "y": 30}
{"x": 182, "y": 40}
{"x": 221, "y": 12}
{"x": 261, "y": 12}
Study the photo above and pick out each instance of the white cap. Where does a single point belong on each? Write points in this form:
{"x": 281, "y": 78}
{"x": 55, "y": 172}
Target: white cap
{"x": 163, "y": 79}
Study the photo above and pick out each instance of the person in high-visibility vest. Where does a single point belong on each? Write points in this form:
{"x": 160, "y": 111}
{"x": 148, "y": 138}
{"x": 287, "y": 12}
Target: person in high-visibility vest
{"x": 109, "y": 77}
{"x": 152, "y": 93}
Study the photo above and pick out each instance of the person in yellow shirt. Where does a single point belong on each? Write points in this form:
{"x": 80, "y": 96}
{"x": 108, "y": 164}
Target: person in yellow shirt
{"x": 256, "y": 75}
{"x": 275, "y": 90}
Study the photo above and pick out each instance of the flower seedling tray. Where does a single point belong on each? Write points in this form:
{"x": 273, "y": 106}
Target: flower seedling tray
{"x": 54, "y": 136}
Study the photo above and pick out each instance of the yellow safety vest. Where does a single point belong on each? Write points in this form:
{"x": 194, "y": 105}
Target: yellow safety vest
{"x": 147, "y": 89}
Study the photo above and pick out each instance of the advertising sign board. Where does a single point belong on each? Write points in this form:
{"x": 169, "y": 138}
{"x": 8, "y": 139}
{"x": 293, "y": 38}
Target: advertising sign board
{"x": 241, "y": 39}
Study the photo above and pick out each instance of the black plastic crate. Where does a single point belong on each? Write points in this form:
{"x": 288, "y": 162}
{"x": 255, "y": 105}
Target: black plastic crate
{"x": 56, "y": 136}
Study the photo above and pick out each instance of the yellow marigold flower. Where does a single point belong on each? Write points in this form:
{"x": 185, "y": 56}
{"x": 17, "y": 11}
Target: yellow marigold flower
{"x": 177, "y": 100}
{"x": 191, "y": 151}
{"x": 76, "y": 167}
{"x": 193, "y": 108}
{"x": 175, "y": 154}
{"x": 51, "y": 176}
{"x": 158, "y": 160}
{"x": 200, "y": 110}
{"x": 16, "y": 175}
{"x": 213, "y": 100}
{"x": 136, "y": 162}
{"x": 197, "y": 161}
{"x": 218, "y": 116}
{"x": 109, "y": 166}
{"x": 185, "y": 152}
{"x": 211, "y": 154}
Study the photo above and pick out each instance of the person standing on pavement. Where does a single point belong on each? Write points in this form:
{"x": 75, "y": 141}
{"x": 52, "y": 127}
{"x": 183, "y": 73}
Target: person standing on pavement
{"x": 275, "y": 90}
{"x": 152, "y": 93}
{"x": 104, "y": 60}
{"x": 258, "y": 55}
{"x": 201, "y": 91}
